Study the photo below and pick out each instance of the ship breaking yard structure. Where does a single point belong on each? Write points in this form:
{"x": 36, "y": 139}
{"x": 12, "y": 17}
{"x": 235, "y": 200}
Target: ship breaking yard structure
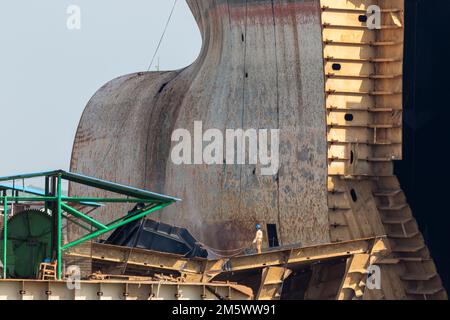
{"x": 334, "y": 211}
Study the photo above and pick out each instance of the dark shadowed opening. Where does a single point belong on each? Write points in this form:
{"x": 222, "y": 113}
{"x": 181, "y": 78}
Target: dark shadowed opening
{"x": 424, "y": 173}
{"x": 272, "y": 235}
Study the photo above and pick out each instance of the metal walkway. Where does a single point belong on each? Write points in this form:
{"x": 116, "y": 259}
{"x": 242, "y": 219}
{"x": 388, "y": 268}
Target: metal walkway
{"x": 121, "y": 290}
{"x": 203, "y": 270}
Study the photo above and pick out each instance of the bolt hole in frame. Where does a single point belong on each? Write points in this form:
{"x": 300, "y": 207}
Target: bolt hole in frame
{"x": 62, "y": 207}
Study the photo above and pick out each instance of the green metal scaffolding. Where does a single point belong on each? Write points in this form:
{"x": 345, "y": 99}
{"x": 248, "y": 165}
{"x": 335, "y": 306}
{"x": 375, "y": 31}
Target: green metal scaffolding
{"x": 62, "y": 208}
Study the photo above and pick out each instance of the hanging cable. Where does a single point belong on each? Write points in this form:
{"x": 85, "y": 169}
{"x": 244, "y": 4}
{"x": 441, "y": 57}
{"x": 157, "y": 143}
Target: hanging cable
{"x": 163, "y": 34}
{"x": 110, "y": 147}
{"x": 224, "y": 253}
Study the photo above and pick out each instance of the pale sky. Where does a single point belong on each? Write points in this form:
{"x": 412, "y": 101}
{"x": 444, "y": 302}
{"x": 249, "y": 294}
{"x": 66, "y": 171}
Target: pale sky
{"x": 48, "y": 72}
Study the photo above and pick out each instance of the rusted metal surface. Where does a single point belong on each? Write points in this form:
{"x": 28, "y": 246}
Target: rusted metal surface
{"x": 121, "y": 290}
{"x": 260, "y": 67}
{"x": 205, "y": 270}
{"x": 265, "y": 273}
{"x": 272, "y": 64}
{"x": 364, "y": 83}
{"x": 272, "y": 283}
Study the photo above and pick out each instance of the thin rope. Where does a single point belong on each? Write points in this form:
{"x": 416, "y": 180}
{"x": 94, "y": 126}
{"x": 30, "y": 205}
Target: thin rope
{"x": 224, "y": 253}
{"x": 227, "y": 256}
{"x": 221, "y": 250}
{"x": 163, "y": 34}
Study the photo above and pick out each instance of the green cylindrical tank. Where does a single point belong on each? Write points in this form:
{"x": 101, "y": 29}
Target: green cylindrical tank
{"x": 29, "y": 243}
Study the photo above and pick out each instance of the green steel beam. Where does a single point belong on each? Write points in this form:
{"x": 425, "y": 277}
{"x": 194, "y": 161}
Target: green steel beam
{"x": 32, "y": 199}
{"x": 115, "y": 187}
{"x": 153, "y": 201}
{"x": 5, "y": 234}
{"x": 76, "y": 222}
{"x": 129, "y": 215}
{"x": 112, "y": 200}
{"x": 59, "y": 217}
{"x": 96, "y": 183}
{"x": 30, "y": 175}
{"x": 115, "y": 226}
{"x": 47, "y": 192}
{"x": 81, "y": 215}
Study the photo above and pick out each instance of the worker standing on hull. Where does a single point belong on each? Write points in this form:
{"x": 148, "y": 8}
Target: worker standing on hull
{"x": 258, "y": 238}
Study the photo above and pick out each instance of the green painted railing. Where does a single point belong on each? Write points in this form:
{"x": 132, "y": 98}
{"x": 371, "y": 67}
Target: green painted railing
{"x": 151, "y": 202}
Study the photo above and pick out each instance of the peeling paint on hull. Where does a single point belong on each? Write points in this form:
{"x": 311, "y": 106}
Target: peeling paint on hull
{"x": 260, "y": 67}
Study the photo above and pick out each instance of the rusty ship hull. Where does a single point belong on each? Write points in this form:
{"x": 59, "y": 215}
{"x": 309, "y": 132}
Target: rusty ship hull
{"x": 313, "y": 70}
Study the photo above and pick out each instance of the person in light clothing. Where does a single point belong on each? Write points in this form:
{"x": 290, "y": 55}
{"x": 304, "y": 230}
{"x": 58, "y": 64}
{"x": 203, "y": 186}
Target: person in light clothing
{"x": 258, "y": 238}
